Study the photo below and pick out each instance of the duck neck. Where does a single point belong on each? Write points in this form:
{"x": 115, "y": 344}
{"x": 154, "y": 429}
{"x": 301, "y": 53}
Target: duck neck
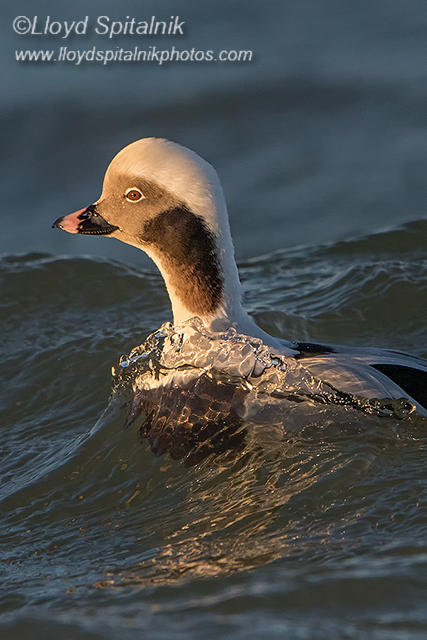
{"x": 200, "y": 273}
{"x": 197, "y": 264}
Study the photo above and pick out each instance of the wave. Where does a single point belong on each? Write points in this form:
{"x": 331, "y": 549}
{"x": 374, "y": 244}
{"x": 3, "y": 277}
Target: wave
{"x": 370, "y": 291}
{"x": 85, "y": 503}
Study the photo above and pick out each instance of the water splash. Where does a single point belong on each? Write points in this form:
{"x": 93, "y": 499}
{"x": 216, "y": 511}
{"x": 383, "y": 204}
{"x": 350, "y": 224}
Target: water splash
{"x": 199, "y": 391}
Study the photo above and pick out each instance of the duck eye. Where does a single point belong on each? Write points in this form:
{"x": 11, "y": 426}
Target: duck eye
{"x": 133, "y": 194}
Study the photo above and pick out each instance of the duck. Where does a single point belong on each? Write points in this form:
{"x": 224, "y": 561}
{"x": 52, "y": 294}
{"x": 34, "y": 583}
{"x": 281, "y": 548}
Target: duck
{"x": 166, "y": 200}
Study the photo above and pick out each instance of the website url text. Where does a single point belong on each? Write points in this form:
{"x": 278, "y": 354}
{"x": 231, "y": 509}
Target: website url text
{"x": 152, "y": 54}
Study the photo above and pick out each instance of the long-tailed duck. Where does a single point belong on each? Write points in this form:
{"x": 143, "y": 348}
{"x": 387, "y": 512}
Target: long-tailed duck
{"x": 166, "y": 200}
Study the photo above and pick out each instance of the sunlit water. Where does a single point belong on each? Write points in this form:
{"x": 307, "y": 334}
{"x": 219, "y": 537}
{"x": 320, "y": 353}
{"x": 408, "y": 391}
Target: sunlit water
{"x": 288, "y": 533}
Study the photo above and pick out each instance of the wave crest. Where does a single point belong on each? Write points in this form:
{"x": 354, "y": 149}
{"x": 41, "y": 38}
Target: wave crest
{"x": 198, "y": 392}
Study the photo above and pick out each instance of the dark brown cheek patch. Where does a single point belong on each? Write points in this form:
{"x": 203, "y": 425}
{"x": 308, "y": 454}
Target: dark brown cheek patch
{"x": 188, "y": 252}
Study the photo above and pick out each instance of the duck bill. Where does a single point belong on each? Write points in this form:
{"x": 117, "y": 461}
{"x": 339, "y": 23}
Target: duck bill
{"x": 86, "y": 221}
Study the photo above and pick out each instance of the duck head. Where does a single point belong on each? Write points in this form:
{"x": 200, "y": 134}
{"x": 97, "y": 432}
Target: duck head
{"x": 167, "y": 201}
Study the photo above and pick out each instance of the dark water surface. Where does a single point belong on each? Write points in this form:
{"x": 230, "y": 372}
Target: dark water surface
{"x": 321, "y": 137}
{"x": 315, "y": 535}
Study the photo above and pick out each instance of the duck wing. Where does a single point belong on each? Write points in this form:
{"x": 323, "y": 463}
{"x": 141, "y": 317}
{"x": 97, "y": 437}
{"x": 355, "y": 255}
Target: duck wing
{"x": 371, "y": 373}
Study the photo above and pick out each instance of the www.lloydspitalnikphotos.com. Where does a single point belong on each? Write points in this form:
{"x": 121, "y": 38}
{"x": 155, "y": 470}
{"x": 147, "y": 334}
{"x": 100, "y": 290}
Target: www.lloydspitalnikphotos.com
{"x": 104, "y": 26}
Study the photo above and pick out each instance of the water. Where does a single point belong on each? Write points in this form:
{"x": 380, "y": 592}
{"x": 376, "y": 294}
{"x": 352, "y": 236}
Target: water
{"x": 320, "y": 144}
{"x": 303, "y": 535}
